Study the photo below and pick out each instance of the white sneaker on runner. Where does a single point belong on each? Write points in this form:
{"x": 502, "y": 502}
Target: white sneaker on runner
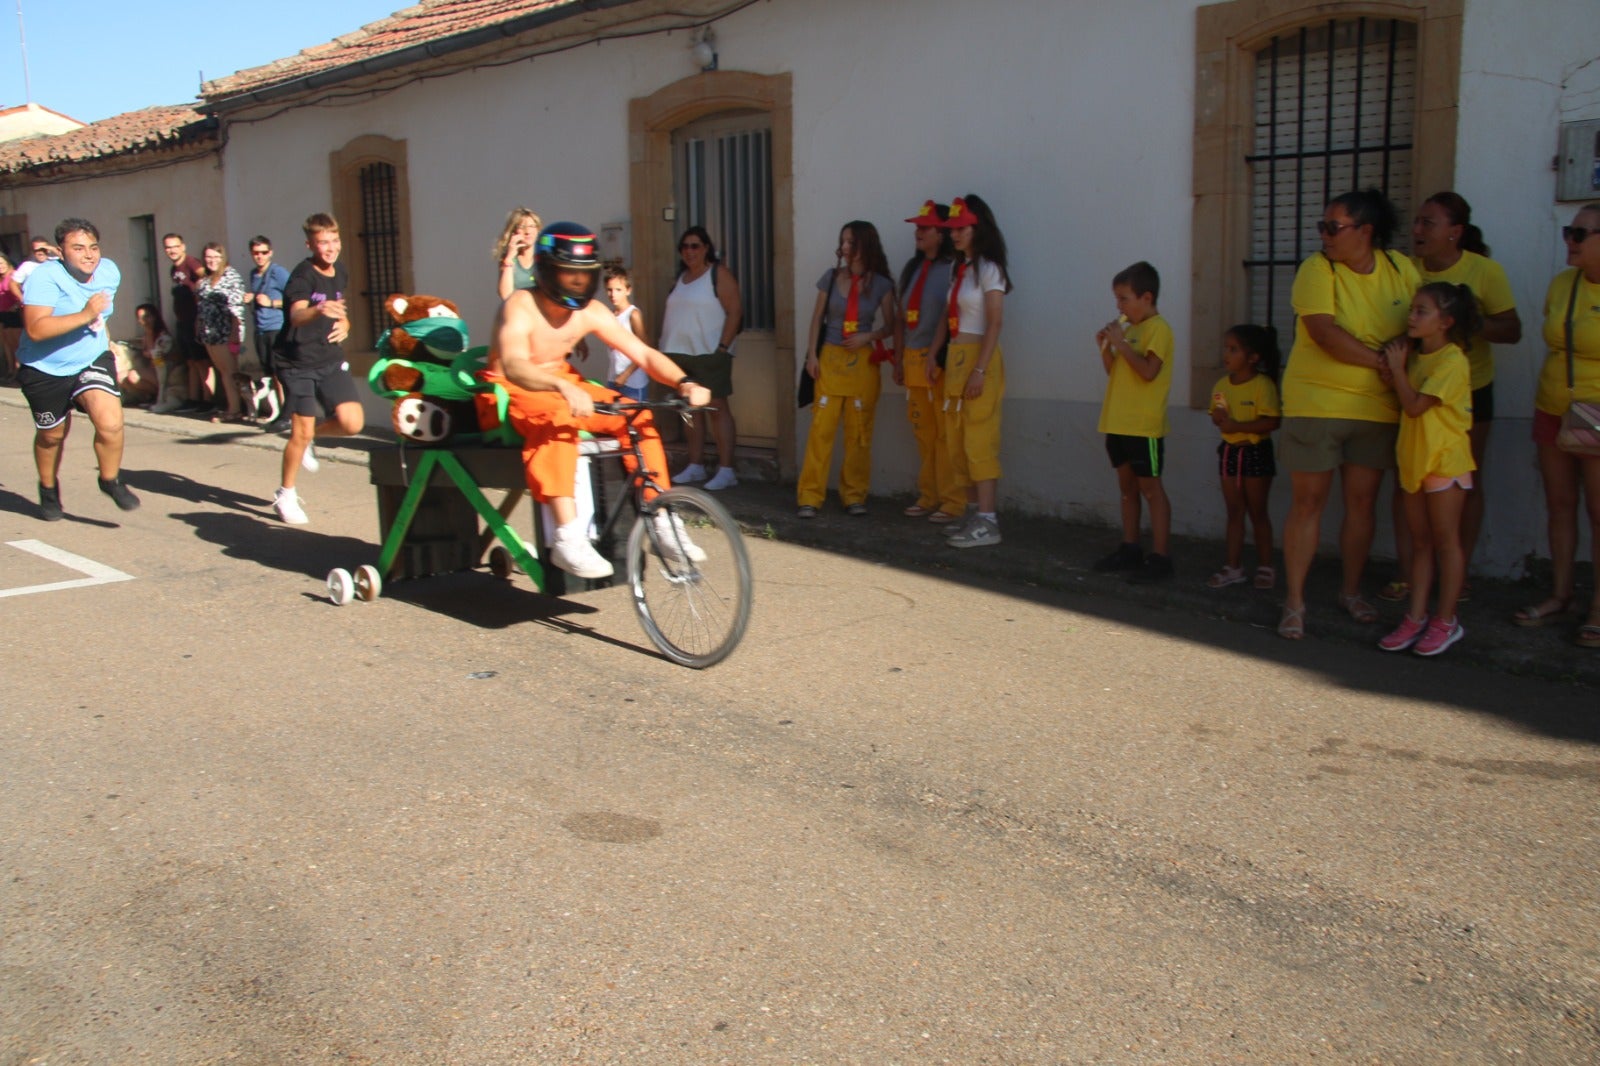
{"x": 577, "y": 556}
{"x": 287, "y": 504}
{"x": 689, "y": 475}
{"x": 673, "y": 538}
{"x": 308, "y": 461}
{"x": 723, "y": 479}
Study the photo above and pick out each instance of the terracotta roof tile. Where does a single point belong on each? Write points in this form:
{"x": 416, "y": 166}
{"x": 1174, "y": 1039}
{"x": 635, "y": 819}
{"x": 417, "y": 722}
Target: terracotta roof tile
{"x": 422, "y": 23}
{"x": 151, "y": 127}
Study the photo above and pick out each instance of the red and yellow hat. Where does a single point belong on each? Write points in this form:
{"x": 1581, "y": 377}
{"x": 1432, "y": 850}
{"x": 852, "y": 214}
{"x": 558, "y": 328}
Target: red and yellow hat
{"x": 929, "y": 214}
{"x": 958, "y": 215}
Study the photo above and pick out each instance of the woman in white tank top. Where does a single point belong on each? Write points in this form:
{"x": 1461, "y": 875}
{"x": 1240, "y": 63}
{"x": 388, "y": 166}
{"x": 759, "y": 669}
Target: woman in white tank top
{"x": 702, "y": 317}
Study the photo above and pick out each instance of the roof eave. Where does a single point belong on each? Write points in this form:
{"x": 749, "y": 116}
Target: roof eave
{"x": 416, "y": 53}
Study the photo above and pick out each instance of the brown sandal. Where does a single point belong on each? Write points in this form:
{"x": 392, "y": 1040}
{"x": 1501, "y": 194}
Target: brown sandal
{"x": 1536, "y": 615}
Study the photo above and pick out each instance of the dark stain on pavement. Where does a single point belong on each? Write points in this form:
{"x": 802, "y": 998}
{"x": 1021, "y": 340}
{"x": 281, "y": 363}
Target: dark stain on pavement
{"x": 608, "y": 827}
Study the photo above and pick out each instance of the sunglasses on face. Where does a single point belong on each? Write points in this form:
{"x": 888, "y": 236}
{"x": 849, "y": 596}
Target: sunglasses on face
{"x": 1333, "y": 229}
{"x": 1577, "y": 234}
{"x": 690, "y": 246}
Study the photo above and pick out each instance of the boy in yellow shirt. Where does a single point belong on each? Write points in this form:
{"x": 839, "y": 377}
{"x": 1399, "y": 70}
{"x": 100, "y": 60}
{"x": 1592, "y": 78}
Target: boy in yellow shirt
{"x": 1136, "y": 350}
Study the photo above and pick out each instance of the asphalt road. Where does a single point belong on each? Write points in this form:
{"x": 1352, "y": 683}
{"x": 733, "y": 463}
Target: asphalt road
{"x": 909, "y": 821}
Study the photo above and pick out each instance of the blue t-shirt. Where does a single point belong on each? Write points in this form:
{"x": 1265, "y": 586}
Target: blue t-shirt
{"x": 273, "y": 284}
{"x": 50, "y": 285}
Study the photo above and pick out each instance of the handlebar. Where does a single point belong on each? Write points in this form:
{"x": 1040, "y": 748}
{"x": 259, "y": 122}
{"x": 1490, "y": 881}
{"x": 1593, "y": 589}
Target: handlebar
{"x": 632, "y": 407}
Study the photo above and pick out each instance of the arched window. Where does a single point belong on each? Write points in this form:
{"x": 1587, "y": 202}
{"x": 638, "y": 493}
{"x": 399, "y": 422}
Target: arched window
{"x": 1297, "y": 101}
{"x": 372, "y": 203}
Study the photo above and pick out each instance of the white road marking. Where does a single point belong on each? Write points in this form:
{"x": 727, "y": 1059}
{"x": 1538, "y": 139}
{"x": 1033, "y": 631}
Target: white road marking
{"x": 99, "y": 573}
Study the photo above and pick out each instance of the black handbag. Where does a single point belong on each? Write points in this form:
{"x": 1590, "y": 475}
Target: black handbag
{"x": 806, "y": 390}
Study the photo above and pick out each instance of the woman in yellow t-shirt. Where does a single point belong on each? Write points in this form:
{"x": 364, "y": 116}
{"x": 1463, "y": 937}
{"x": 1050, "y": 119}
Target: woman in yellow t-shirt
{"x": 1340, "y": 413}
{"x": 1575, "y": 292}
{"x": 1450, "y": 248}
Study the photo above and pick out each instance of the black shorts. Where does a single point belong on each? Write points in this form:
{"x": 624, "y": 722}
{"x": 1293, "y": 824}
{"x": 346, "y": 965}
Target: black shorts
{"x": 714, "y": 371}
{"x": 1483, "y": 404}
{"x": 1246, "y": 460}
{"x": 187, "y": 346}
{"x": 11, "y": 319}
{"x": 52, "y": 398}
{"x": 1146, "y": 455}
{"x": 305, "y": 387}
{"x": 264, "y": 340}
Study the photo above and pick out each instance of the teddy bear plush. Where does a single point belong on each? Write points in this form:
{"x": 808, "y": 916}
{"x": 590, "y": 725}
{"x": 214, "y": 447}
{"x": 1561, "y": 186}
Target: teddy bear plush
{"x": 418, "y": 369}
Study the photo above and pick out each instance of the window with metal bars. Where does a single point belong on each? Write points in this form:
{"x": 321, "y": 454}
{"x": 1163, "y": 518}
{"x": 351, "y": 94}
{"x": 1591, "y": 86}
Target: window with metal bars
{"x": 1335, "y": 107}
{"x": 380, "y": 240}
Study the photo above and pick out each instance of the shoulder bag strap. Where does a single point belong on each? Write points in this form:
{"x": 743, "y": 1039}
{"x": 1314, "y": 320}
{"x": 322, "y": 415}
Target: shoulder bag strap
{"x": 1572, "y": 302}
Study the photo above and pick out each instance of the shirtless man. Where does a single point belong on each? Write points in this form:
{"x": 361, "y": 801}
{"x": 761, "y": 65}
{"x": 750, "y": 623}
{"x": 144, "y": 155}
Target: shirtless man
{"x": 550, "y": 403}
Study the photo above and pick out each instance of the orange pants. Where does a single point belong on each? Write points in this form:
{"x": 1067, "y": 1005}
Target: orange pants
{"x": 549, "y": 433}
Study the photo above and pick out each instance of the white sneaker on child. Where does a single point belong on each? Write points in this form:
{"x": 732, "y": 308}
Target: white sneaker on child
{"x": 574, "y": 553}
{"x": 673, "y": 540}
{"x": 308, "y": 461}
{"x": 287, "y": 504}
{"x": 723, "y": 479}
{"x": 689, "y": 475}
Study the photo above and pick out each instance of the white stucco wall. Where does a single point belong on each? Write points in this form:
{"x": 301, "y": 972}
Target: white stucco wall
{"x": 1075, "y": 127}
{"x": 184, "y": 198}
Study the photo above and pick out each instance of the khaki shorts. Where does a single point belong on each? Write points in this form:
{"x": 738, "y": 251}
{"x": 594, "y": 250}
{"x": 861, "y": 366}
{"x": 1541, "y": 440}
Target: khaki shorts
{"x": 714, "y": 371}
{"x": 1318, "y": 445}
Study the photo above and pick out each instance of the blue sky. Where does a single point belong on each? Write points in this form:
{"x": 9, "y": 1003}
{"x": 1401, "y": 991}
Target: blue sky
{"x": 94, "y": 58}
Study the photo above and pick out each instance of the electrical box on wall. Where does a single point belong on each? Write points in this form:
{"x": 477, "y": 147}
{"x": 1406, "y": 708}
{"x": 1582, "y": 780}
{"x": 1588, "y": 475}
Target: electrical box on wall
{"x": 616, "y": 244}
{"x": 1578, "y": 165}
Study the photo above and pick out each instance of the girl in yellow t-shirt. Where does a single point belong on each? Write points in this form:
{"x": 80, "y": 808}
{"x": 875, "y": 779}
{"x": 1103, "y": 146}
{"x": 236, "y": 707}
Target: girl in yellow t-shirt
{"x": 1435, "y": 456}
{"x": 1244, "y": 407}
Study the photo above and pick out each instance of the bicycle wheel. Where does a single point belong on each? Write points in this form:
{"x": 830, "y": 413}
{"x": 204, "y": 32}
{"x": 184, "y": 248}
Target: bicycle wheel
{"x": 690, "y": 577}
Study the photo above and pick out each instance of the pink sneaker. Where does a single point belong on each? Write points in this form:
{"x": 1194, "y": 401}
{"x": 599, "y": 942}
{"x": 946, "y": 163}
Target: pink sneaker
{"x": 1407, "y": 633}
{"x": 1440, "y": 635}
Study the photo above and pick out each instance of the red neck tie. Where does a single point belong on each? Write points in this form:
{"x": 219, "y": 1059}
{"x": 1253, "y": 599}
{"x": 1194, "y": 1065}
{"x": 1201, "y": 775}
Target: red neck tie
{"x": 914, "y": 301}
{"x": 852, "y": 307}
{"x": 954, "y": 317}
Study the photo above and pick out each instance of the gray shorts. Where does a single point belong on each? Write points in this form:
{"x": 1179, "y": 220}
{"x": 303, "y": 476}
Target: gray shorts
{"x": 1319, "y": 445}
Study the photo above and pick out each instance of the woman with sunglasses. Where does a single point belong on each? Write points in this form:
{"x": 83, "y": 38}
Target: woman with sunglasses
{"x": 1340, "y": 412}
{"x": 701, "y": 319}
{"x": 1571, "y": 309}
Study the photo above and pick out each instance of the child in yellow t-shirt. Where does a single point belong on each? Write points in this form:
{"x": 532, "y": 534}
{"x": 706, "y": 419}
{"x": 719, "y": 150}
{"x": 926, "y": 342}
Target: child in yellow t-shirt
{"x": 1136, "y": 350}
{"x": 1435, "y": 456}
{"x": 1244, "y": 407}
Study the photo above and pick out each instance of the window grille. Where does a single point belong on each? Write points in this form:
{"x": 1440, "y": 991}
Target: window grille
{"x": 1335, "y": 105}
{"x": 727, "y": 183}
{"x": 380, "y": 241}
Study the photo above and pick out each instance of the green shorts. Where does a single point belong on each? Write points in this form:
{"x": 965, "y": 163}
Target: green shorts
{"x": 714, "y": 371}
{"x": 1318, "y": 445}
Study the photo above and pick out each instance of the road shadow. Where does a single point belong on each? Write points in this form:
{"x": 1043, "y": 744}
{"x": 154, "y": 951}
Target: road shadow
{"x": 28, "y": 507}
{"x": 179, "y": 487}
{"x": 474, "y": 597}
{"x": 1535, "y": 680}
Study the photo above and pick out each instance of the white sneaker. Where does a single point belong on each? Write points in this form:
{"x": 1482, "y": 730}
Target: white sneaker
{"x": 724, "y": 479}
{"x": 673, "y": 539}
{"x": 287, "y": 504}
{"x": 167, "y": 406}
{"x": 689, "y": 475}
{"x": 308, "y": 461}
{"x": 577, "y": 556}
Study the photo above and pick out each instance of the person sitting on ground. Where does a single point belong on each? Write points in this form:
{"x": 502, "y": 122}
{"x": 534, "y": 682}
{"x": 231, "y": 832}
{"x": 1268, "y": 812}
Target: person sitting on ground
{"x": 550, "y": 404}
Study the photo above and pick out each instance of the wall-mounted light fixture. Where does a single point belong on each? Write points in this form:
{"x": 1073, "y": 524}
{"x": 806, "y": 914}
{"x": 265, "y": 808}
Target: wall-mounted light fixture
{"x": 703, "y": 48}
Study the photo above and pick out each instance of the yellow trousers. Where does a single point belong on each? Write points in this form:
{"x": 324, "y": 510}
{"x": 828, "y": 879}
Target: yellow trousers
{"x": 972, "y": 427}
{"x": 847, "y": 393}
{"x": 937, "y": 486}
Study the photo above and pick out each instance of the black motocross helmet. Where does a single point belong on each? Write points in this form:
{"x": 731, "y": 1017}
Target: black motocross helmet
{"x": 566, "y": 246}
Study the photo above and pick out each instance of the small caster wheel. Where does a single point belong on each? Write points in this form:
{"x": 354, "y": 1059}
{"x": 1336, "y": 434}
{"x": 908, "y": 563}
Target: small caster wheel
{"x": 341, "y": 586}
{"x": 369, "y": 586}
{"x": 500, "y": 562}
